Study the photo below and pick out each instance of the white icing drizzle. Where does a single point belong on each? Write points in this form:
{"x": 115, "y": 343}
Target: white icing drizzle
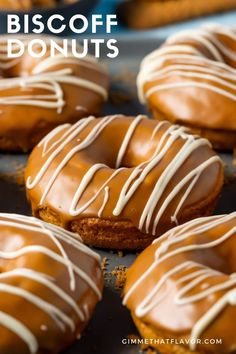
{"x": 157, "y": 128}
{"x": 55, "y": 313}
{"x": 86, "y": 142}
{"x": 199, "y": 273}
{"x": 127, "y": 139}
{"x": 48, "y": 282}
{"x": 81, "y": 108}
{"x": 191, "y": 84}
{"x": 207, "y": 37}
{"x": 50, "y": 82}
{"x": 49, "y": 62}
{"x": 194, "y": 176}
{"x": 228, "y": 299}
{"x": 54, "y": 256}
{"x": 137, "y": 174}
{"x": 56, "y": 235}
{"x": 203, "y": 37}
{"x": 45, "y": 77}
{"x": 105, "y": 200}
{"x": 49, "y": 136}
{"x": 43, "y": 328}
{"x": 20, "y": 330}
{"x": 184, "y": 61}
{"x": 77, "y": 196}
{"x": 86, "y": 311}
{"x": 79, "y": 126}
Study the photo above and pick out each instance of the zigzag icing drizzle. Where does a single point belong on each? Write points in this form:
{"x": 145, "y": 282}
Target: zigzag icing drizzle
{"x": 199, "y": 273}
{"x": 50, "y": 81}
{"x": 137, "y": 174}
{"x": 57, "y": 235}
{"x": 185, "y": 61}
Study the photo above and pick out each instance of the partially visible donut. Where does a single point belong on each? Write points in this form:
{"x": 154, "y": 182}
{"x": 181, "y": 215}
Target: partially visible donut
{"x": 22, "y": 5}
{"x": 38, "y": 94}
{"x": 191, "y": 80}
{"x": 181, "y": 290}
{"x": 16, "y": 5}
{"x": 121, "y": 181}
{"x": 49, "y": 285}
{"x": 145, "y": 14}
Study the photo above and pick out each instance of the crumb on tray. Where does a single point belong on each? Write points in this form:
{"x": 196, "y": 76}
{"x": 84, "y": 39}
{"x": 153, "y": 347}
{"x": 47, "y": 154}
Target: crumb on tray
{"x": 16, "y": 176}
{"x": 120, "y": 274}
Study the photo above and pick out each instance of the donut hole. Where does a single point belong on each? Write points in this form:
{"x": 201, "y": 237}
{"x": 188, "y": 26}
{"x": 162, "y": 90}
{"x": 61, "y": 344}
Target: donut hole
{"x": 106, "y": 156}
{"x": 221, "y": 258}
{"x": 110, "y": 149}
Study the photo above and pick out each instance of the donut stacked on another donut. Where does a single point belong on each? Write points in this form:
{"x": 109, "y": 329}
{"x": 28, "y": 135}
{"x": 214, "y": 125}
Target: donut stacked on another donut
{"x": 191, "y": 80}
{"x": 121, "y": 181}
{"x": 49, "y": 284}
{"x": 183, "y": 287}
{"x": 38, "y": 94}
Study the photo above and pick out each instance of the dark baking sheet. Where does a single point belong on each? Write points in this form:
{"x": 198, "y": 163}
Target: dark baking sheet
{"x": 111, "y": 322}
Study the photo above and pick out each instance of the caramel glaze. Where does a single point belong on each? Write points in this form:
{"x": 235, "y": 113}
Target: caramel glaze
{"x": 123, "y": 169}
{"x": 49, "y": 284}
{"x": 38, "y": 94}
{"x": 21, "y": 5}
{"x": 184, "y": 284}
{"x": 191, "y": 80}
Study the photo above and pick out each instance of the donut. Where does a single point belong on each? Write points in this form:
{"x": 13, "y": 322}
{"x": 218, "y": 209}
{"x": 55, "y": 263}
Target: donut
{"x": 46, "y": 3}
{"x": 37, "y": 94}
{"x": 181, "y": 290}
{"x": 16, "y": 4}
{"x": 22, "y": 5}
{"x": 191, "y": 80}
{"x": 145, "y": 14}
{"x": 121, "y": 181}
{"x": 50, "y": 283}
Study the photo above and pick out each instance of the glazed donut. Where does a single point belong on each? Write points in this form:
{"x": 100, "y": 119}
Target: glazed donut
{"x": 183, "y": 288}
{"x": 48, "y": 272}
{"x": 191, "y": 80}
{"x": 16, "y": 4}
{"x": 121, "y": 181}
{"x": 145, "y": 14}
{"x": 21, "y": 5}
{"x": 46, "y": 3}
{"x": 37, "y": 94}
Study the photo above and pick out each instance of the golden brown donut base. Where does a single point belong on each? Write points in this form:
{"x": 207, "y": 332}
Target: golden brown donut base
{"x": 153, "y": 13}
{"x": 122, "y": 234}
{"x": 24, "y": 125}
{"x": 220, "y": 139}
{"x": 26, "y": 139}
{"x": 25, "y": 143}
{"x": 7, "y": 144}
{"x": 166, "y": 348}
{"x": 43, "y": 274}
